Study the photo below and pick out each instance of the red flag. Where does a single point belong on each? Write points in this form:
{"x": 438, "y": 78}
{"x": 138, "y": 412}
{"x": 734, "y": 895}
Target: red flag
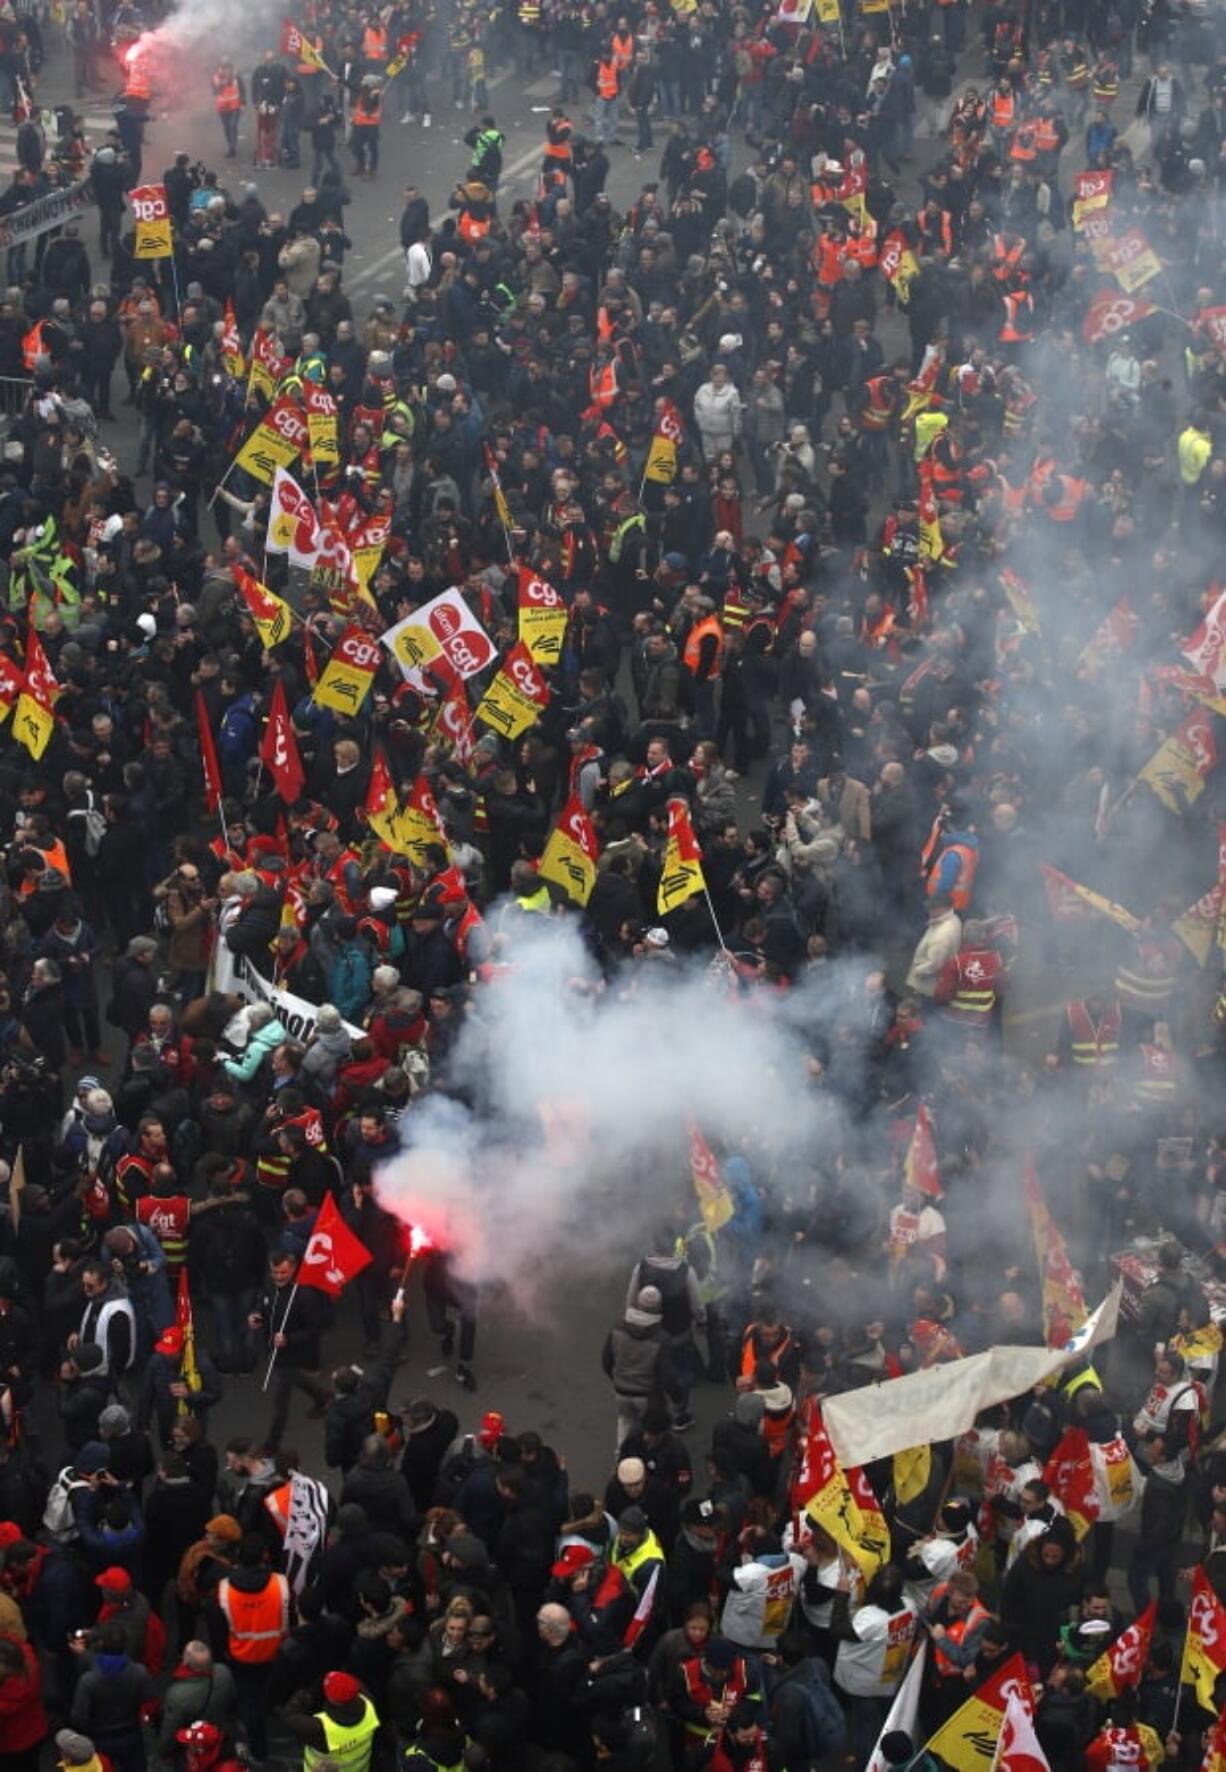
{"x": 183, "y": 1304}
{"x": 1019, "y": 1748}
{"x": 334, "y": 1256}
{"x": 279, "y": 749}
{"x": 208, "y": 756}
{"x": 310, "y": 662}
{"x": 920, "y": 1169}
{"x": 1110, "y": 313}
{"x": 1120, "y": 1667}
{"x": 1069, "y": 1475}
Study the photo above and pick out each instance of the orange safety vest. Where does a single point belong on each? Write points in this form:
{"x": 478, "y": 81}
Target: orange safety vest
{"x": 1006, "y": 259}
{"x": 1003, "y": 109}
{"x": 1018, "y": 310}
{"x": 960, "y": 892}
{"x": 693, "y": 646}
{"x": 374, "y": 43}
{"x": 1070, "y": 502}
{"x": 1024, "y": 145}
{"x": 602, "y": 385}
{"x": 227, "y": 97}
{"x": 557, "y": 147}
{"x": 57, "y": 857}
{"x": 607, "y": 85}
{"x": 472, "y": 227}
{"x": 829, "y": 255}
{"x": 257, "y": 1623}
{"x": 276, "y": 1506}
{"x": 876, "y": 415}
{"x": 32, "y": 346}
{"x": 137, "y": 85}
{"x": 366, "y": 115}
{"x": 1098, "y": 1047}
{"x": 622, "y": 49}
{"x": 955, "y": 1630}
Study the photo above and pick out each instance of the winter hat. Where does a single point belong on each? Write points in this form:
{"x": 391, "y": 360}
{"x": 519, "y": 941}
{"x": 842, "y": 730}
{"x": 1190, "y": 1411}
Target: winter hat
{"x": 224, "y": 1526}
{"x": 490, "y": 1431}
{"x": 749, "y": 1408}
{"x": 114, "y": 1580}
{"x": 573, "y": 1558}
{"x": 114, "y": 1421}
{"x": 631, "y": 1470}
{"x": 74, "y": 1749}
{"x": 340, "y": 1688}
{"x": 649, "y": 1301}
{"x": 720, "y": 1653}
{"x": 93, "y": 1456}
{"x": 169, "y": 1342}
{"x": 87, "y": 1356}
{"x": 632, "y": 1519}
{"x": 199, "y": 1734}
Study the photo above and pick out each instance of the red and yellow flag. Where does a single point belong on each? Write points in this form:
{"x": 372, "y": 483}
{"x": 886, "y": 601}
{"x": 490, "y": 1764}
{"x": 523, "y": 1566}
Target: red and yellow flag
{"x": 271, "y": 614}
{"x": 967, "y": 1742}
{"x": 854, "y": 1522}
{"x": 569, "y": 857}
{"x": 682, "y": 875}
{"x": 1204, "y": 1647}
{"x": 1069, "y": 1475}
{"x": 920, "y": 1169}
{"x": 542, "y": 618}
{"x": 34, "y": 720}
{"x": 1119, "y": 1668}
{"x": 1064, "y": 1305}
{"x": 714, "y": 1200}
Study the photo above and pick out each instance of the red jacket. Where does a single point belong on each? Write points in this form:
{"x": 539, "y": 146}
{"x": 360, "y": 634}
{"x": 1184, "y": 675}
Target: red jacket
{"x": 23, "y": 1721}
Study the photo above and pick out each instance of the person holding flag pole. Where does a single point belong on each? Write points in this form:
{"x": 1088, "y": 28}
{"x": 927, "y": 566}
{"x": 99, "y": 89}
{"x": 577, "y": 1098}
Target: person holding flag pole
{"x": 681, "y": 877}
{"x": 333, "y": 1257}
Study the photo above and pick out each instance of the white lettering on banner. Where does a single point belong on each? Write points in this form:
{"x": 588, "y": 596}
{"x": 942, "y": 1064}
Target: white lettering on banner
{"x": 236, "y": 976}
{"x": 319, "y": 1253}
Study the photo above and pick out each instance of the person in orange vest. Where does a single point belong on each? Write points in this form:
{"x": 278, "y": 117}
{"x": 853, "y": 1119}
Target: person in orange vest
{"x": 1002, "y": 113}
{"x": 956, "y": 1619}
{"x": 1017, "y": 326}
{"x": 606, "y": 82}
{"x": 703, "y": 661}
{"x": 252, "y": 1614}
{"x": 365, "y": 119}
{"x": 476, "y": 206}
{"x": 950, "y": 861}
{"x": 936, "y": 230}
{"x": 229, "y": 97}
{"x": 1062, "y": 498}
{"x": 558, "y": 132}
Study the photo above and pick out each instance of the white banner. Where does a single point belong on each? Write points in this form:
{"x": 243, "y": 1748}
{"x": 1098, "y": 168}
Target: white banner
{"x": 941, "y": 1403}
{"x": 237, "y": 977}
{"x": 444, "y": 628}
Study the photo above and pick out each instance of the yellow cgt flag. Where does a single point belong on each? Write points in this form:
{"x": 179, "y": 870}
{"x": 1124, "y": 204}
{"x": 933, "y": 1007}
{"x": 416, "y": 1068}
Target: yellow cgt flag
{"x": 912, "y": 1471}
{"x": 682, "y": 876}
{"x": 967, "y": 1742}
{"x": 569, "y": 857}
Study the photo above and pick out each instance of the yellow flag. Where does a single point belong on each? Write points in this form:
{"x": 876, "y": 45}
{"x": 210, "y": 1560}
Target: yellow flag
{"x": 912, "y": 1470}
{"x": 569, "y": 857}
{"x": 682, "y": 876}
{"x": 661, "y": 461}
{"x": 967, "y": 1742}
{"x": 33, "y": 725}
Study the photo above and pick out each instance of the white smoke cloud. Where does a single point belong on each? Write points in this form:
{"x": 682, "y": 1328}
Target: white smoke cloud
{"x": 577, "y": 1136}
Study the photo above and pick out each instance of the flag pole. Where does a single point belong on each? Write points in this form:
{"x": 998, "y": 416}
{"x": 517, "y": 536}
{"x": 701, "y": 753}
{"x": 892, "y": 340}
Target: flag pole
{"x": 281, "y": 1331}
{"x": 719, "y": 932}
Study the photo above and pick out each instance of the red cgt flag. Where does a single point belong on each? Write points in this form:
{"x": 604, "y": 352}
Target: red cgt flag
{"x": 1120, "y": 1667}
{"x": 208, "y": 757}
{"x": 279, "y": 749}
{"x": 1069, "y": 1475}
{"x": 334, "y": 1256}
{"x": 920, "y": 1169}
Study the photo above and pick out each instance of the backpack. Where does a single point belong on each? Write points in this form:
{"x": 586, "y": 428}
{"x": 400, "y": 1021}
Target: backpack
{"x": 59, "y": 1521}
{"x": 349, "y": 980}
{"x": 93, "y": 826}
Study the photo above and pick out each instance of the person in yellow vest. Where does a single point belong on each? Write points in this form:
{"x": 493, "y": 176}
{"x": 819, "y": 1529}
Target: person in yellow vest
{"x": 1195, "y": 451}
{"x": 343, "y": 1732}
{"x": 253, "y": 1611}
{"x": 229, "y": 98}
{"x": 638, "y": 1553}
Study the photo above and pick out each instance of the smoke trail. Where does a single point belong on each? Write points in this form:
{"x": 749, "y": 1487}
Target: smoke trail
{"x": 572, "y": 1130}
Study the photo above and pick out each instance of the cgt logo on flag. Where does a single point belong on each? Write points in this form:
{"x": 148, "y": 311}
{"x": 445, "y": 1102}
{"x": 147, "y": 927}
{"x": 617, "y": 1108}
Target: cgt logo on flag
{"x": 334, "y": 1255}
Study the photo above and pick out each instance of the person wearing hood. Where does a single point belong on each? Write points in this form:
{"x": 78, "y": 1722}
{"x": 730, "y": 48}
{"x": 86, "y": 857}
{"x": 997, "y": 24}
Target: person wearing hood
{"x": 429, "y": 1431}
{"x": 328, "y": 1047}
{"x": 637, "y": 1359}
{"x": 112, "y": 1698}
{"x": 252, "y": 1617}
{"x": 264, "y": 1034}
{"x": 1039, "y": 1592}
{"x": 342, "y": 1729}
{"x": 83, "y": 1392}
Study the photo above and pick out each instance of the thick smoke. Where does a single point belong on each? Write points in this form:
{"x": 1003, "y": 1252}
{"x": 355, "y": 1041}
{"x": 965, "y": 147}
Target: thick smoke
{"x": 581, "y": 1097}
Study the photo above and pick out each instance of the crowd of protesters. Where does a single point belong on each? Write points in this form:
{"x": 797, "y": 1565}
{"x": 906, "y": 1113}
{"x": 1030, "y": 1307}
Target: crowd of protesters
{"x": 884, "y": 506}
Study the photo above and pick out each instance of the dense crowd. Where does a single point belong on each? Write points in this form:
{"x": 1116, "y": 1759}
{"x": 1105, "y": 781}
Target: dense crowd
{"x": 835, "y": 613}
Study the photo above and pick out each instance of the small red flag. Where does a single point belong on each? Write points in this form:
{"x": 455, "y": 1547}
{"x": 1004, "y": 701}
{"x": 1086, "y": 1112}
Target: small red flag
{"x": 920, "y": 1170}
{"x": 334, "y": 1256}
{"x": 208, "y": 757}
{"x": 279, "y": 749}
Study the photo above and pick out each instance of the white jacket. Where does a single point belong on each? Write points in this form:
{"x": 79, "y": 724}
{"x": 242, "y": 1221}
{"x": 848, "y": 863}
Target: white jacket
{"x": 717, "y": 413}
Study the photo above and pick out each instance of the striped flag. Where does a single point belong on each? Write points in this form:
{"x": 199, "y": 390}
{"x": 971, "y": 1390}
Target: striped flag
{"x": 305, "y": 1528}
{"x": 642, "y": 1612}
